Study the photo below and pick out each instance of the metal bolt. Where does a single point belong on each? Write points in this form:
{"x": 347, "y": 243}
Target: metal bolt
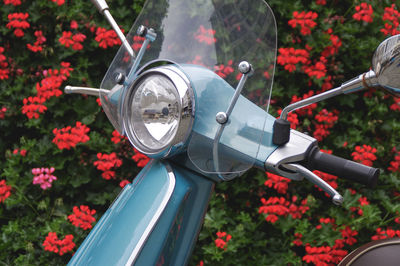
{"x": 221, "y": 117}
{"x": 244, "y": 67}
{"x": 142, "y": 31}
{"x": 337, "y": 199}
{"x": 120, "y": 78}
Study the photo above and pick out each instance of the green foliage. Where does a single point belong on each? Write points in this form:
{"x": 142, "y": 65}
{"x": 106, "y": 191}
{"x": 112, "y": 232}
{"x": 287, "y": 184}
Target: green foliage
{"x": 30, "y": 213}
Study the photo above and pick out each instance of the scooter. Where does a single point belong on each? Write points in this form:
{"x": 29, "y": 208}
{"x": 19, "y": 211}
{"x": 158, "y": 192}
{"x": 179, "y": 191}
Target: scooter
{"x": 197, "y": 128}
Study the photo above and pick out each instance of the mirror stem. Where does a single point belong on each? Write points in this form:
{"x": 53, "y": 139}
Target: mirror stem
{"x": 361, "y": 82}
{"x": 82, "y": 90}
{"x": 103, "y": 8}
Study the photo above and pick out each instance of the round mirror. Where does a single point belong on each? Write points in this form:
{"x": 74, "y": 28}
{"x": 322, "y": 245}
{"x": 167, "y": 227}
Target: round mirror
{"x": 386, "y": 65}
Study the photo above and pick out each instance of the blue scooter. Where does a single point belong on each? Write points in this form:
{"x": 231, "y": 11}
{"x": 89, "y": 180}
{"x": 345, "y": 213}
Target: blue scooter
{"x": 201, "y": 127}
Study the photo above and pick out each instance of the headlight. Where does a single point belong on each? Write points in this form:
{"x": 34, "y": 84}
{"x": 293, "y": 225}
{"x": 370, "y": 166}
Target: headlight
{"x": 158, "y": 111}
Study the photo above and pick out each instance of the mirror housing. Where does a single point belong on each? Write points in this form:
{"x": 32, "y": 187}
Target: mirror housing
{"x": 386, "y": 65}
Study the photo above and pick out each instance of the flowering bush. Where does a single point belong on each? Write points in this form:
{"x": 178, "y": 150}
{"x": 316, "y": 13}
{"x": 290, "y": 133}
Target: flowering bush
{"x": 258, "y": 219}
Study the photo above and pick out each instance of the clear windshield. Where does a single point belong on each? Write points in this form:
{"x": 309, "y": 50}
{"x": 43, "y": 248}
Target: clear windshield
{"x": 214, "y": 34}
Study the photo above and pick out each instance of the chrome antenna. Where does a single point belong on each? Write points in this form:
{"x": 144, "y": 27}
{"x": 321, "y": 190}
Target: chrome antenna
{"x": 103, "y": 8}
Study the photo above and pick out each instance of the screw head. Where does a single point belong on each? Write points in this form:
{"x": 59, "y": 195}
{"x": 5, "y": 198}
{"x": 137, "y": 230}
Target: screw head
{"x": 221, "y": 117}
{"x": 142, "y": 31}
{"x": 120, "y": 78}
{"x": 244, "y": 67}
{"x": 337, "y": 199}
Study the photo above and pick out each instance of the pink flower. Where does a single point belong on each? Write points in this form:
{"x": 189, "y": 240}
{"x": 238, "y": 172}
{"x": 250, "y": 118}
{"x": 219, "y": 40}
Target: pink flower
{"x": 43, "y": 177}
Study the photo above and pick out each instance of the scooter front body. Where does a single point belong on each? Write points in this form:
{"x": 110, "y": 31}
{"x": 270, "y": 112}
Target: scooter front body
{"x": 155, "y": 220}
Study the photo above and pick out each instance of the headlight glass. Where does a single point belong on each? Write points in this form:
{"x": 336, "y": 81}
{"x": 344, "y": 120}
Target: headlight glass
{"x": 158, "y": 111}
{"x": 155, "y": 112}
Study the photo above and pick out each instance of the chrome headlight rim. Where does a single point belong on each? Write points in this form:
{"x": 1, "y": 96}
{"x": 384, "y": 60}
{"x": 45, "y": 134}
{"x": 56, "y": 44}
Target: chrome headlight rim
{"x": 186, "y": 111}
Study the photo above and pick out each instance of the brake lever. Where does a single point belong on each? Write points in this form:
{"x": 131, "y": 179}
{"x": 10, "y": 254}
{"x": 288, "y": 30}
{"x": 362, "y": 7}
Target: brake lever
{"x": 337, "y": 199}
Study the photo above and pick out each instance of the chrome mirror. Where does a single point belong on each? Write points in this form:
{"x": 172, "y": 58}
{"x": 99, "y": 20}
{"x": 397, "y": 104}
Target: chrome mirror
{"x": 386, "y": 65}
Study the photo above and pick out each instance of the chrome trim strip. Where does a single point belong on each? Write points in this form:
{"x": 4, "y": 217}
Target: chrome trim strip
{"x": 386, "y": 243}
{"x": 157, "y": 215}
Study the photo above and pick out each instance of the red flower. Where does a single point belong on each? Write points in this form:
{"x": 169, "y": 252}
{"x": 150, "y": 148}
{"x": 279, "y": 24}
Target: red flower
{"x": 66, "y": 39}
{"x": 395, "y": 165}
{"x": 33, "y": 106}
{"x": 396, "y": 105}
{"x": 82, "y": 217}
{"x": 326, "y": 120}
{"x": 106, "y": 38}
{"x": 18, "y": 22}
{"x": 59, "y": 2}
{"x": 383, "y": 234}
{"x": 289, "y": 57}
{"x": 275, "y": 207}
{"x": 318, "y": 70}
{"x": 277, "y": 182}
{"x": 107, "y": 162}
{"x": 74, "y": 25}
{"x": 220, "y": 242}
{"x": 49, "y": 87}
{"x": 116, "y": 138}
{"x": 392, "y": 18}
{"x": 292, "y": 118}
{"x": 12, "y": 2}
{"x": 23, "y": 153}
{"x": 5, "y": 191}
{"x": 348, "y": 235}
{"x": 222, "y": 70}
{"x": 73, "y": 41}
{"x": 298, "y": 241}
{"x": 3, "y": 110}
{"x": 304, "y": 20}
{"x": 69, "y": 137}
{"x": 205, "y": 35}
{"x": 336, "y": 43}
{"x": 123, "y": 183}
{"x": 321, "y": 131}
{"x": 140, "y": 159}
{"x": 58, "y": 246}
{"x": 364, "y": 154}
{"x": 40, "y": 39}
{"x": 138, "y": 42}
{"x": 320, "y": 2}
{"x": 307, "y": 110}
{"x": 364, "y": 12}
{"x": 4, "y": 71}
{"x": 324, "y": 255}
{"x": 327, "y": 85}
{"x": 363, "y": 201}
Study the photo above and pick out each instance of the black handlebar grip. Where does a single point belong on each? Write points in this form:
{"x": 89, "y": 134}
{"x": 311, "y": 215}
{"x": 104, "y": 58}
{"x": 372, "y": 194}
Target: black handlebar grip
{"x": 343, "y": 168}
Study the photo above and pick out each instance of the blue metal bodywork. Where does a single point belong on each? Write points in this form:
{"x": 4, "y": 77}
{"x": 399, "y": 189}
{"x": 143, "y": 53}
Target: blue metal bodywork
{"x": 247, "y": 137}
{"x": 126, "y": 233}
{"x": 156, "y": 219}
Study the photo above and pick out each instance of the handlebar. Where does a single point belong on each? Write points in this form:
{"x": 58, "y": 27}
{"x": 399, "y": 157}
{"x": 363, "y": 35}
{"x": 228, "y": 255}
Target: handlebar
{"x": 343, "y": 168}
